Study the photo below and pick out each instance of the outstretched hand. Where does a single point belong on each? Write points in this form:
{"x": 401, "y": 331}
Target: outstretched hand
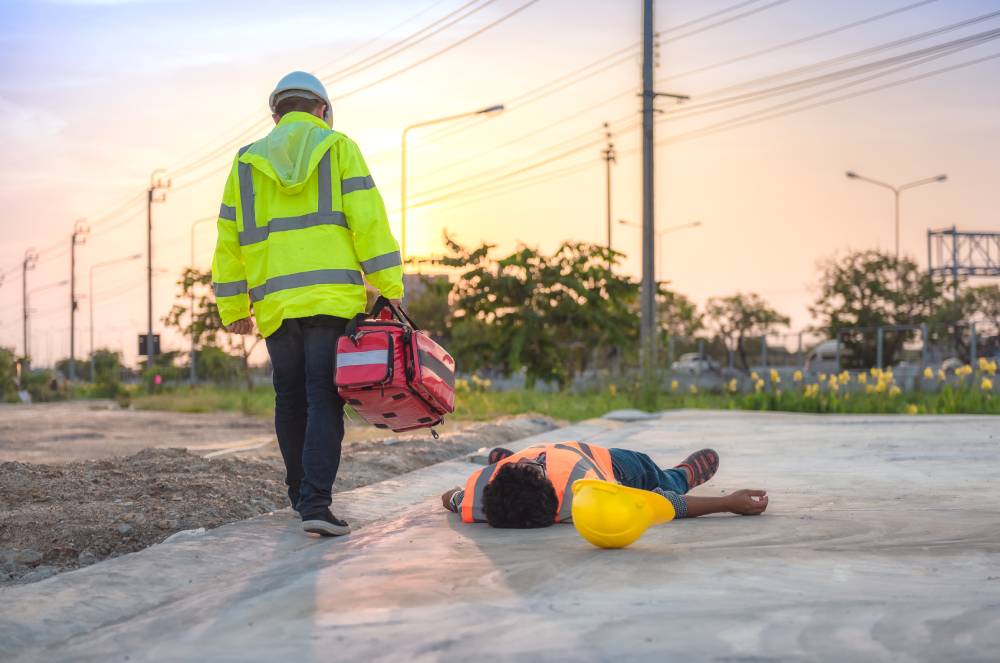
{"x": 747, "y": 502}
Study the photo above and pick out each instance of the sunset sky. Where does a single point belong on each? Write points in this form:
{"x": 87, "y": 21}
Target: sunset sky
{"x": 96, "y": 94}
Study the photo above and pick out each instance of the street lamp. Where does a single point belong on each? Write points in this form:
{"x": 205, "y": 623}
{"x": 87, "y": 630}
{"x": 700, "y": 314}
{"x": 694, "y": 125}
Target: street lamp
{"x": 194, "y": 370}
{"x": 896, "y": 190}
{"x": 670, "y": 229}
{"x": 496, "y": 108}
{"x": 90, "y": 297}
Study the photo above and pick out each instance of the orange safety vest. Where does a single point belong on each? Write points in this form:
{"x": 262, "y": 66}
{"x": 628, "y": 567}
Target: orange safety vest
{"x": 565, "y": 462}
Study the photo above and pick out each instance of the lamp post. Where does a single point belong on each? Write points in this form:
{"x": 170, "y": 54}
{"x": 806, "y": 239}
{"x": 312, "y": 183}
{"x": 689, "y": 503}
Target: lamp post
{"x": 659, "y": 233}
{"x": 90, "y": 298}
{"x": 496, "y": 108}
{"x": 194, "y": 369}
{"x": 896, "y": 190}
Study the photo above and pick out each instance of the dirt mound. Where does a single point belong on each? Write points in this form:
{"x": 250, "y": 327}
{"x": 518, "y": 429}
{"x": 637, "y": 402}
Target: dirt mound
{"x": 59, "y": 517}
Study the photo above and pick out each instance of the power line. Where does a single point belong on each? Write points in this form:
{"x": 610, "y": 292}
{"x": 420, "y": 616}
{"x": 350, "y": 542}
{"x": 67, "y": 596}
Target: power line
{"x": 908, "y": 59}
{"x": 398, "y": 72}
{"x": 759, "y": 116}
{"x": 554, "y": 86}
{"x": 795, "y": 42}
{"x": 918, "y": 57}
{"x": 852, "y": 56}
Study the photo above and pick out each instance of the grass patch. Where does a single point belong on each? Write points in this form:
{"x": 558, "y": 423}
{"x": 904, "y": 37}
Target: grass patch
{"x": 258, "y": 403}
{"x": 480, "y": 404}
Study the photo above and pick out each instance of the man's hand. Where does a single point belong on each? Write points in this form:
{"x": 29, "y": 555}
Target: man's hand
{"x": 747, "y": 502}
{"x": 446, "y": 497}
{"x": 241, "y": 326}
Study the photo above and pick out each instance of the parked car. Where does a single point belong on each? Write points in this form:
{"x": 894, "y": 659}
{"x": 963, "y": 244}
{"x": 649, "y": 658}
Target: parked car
{"x": 693, "y": 363}
{"x": 823, "y": 357}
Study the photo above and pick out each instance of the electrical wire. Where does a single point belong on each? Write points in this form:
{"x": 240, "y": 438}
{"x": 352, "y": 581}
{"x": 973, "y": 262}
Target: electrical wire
{"x": 761, "y": 116}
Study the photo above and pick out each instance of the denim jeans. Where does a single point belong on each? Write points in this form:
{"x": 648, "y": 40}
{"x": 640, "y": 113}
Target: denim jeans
{"x": 308, "y": 411}
{"x": 637, "y": 470}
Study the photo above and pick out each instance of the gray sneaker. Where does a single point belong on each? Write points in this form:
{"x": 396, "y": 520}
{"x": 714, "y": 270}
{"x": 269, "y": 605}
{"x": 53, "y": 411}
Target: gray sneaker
{"x": 325, "y": 524}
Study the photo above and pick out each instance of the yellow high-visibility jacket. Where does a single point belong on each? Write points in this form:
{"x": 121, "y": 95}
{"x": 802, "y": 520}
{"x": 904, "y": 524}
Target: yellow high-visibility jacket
{"x": 300, "y": 220}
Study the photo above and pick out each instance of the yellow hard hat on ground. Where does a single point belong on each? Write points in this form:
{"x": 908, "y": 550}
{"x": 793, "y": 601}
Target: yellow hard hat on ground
{"x": 611, "y": 515}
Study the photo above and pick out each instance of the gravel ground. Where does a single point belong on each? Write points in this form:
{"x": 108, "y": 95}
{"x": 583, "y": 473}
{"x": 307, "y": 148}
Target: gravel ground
{"x": 61, "y": 516}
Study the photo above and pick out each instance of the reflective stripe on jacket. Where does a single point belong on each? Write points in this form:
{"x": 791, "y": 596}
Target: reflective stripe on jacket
{"x": 565, "y": 462}
{"x": 300, "y": 229}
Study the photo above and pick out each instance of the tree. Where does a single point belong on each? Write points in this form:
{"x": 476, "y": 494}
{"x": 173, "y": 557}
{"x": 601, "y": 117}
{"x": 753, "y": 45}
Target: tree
{"x": 950, "y": 321}
{"x": 678, "y": 315}
{"x": 202, "y": 323}
{"x": 739, "y": 317}
{"x": 8, "y": 375}
{"x": 428, "y": 305}
{"x": 868, "y": 289}
{"x": 547, "y": 315}
{"x": 107, "y": 372}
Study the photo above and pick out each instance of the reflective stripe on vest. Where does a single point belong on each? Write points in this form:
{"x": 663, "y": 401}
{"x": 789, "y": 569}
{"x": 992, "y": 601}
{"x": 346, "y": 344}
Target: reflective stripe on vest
{"x": 323, "y": 216}
{"x": 302, "y": 279}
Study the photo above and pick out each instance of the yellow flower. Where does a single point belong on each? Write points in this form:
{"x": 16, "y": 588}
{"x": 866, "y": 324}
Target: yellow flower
{"x": 962, "y": 371}
{"x": 797, "y": 376}
{"x": 895, "y": 391}
{"x": 754, "y": 376}
{"x": 833, "y": 384}
{"x": 870, "y": 389}
{"x": 822, "y": 377}
{"x": 693, "y": 389}
{"x": 758, "y": 386}
{"x": 928, "y": 373}
{"x": 986, "y": 384}
{"x": 875, "y": 371}
{"x": 941, "y": 374}
{"x": 733, "y": 386}
{"x": 673, "y": 385}
{"x": 845, "y": 377}
{"x": 811, "y": 390}
{"x": 863, "y": 378}
{"x": 984, "y": 364}
{"x": 880, "y": 387}
{"x": 991, "y": 367}
{"x": 612, "y": 389}
{"x": 775, "y": 378}
{"x": 912, "y": 409}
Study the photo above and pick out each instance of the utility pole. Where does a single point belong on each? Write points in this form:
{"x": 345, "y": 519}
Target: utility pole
{"x": 154, "y": 194}
{"x": 79, "y": 236}
{"x": 647, "y": 327}
{"x": 30, "y": 260}
{"x": 609, "y": 157}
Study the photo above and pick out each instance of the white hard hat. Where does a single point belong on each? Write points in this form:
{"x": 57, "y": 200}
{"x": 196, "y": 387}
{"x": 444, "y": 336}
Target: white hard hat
{"x": 300, "y": 84}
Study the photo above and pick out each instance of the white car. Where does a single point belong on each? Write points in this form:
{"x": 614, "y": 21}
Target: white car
{"x": 693, "y": 363}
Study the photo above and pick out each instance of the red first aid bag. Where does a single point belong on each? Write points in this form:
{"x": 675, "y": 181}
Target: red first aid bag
{"x": 392, "y": 373}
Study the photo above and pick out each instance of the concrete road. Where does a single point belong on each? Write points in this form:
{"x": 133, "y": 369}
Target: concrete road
{"x": 881, "y": 543}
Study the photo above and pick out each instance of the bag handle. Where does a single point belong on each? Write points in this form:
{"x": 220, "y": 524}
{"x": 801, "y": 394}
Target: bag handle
{"x": 382, "y": 309}
{"x": 382, "y": 304}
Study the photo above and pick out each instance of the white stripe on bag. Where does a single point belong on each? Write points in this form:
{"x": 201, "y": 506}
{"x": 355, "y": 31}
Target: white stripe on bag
{"x": 368, "y": 357}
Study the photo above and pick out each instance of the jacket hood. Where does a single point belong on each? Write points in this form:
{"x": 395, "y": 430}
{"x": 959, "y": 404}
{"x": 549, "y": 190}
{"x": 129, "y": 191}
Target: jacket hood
{"x": 291, "y": 152}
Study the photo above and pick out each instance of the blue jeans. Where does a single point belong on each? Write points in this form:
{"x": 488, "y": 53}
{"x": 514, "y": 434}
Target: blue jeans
{"x": 308, "y": 411}
{"x": 637, "y": 470}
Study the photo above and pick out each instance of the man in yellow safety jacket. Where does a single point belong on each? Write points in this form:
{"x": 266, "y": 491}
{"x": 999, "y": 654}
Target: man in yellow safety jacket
{"x": 300, "y": 229}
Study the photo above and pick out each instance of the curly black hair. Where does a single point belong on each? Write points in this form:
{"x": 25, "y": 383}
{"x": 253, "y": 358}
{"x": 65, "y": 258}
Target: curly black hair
{"x": 517, "y": 497}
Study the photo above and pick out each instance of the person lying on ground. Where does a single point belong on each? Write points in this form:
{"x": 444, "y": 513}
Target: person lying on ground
{"x": 531, "y": 488}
